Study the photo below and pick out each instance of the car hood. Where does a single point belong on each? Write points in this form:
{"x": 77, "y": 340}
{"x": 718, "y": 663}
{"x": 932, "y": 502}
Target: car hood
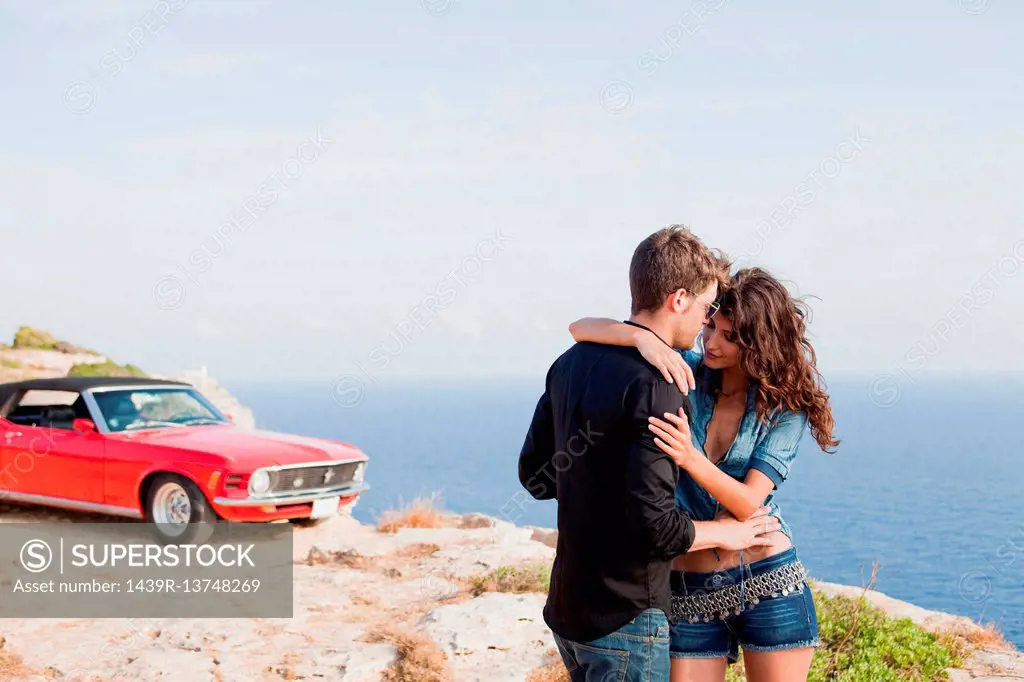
{"x": 244, "y": 447}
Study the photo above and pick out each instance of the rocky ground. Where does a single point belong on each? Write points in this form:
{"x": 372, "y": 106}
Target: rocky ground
{"x": 29, "y": 363}
{"x": 351, "y": 583}
{"x": 355, "y": 587}
{"x": 411, "y": 604}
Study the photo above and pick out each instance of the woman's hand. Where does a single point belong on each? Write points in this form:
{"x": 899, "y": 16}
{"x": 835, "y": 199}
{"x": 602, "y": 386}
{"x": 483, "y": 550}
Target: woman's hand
{"x": 668, "y": 360}
{"x": 673, "y": 437}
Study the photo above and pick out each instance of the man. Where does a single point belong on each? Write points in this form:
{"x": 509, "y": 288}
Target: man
{"x": 590, "y": 448}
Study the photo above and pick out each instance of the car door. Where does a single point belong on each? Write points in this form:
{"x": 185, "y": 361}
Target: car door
{"x": 67, "y": 464}
{"x": 9, "y": 432}
{"x": 46, "y": 458}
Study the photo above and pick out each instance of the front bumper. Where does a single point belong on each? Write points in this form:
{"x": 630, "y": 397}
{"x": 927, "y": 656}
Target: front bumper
{"x": 347, "y": 490}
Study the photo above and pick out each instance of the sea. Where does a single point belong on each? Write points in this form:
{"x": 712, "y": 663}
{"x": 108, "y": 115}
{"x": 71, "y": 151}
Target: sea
{"x": 926, "y": 483}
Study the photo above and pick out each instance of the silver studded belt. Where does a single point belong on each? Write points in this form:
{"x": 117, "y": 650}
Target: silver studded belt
{"x": 733, "y": 599}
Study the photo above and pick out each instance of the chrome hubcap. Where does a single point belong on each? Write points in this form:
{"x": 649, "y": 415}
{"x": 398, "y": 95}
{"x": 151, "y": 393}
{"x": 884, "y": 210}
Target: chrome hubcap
{"x": 172, "y": 508}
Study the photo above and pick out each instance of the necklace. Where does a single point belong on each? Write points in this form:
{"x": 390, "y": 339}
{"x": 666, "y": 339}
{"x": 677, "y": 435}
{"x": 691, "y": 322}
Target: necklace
{"x": 729, "y": 395}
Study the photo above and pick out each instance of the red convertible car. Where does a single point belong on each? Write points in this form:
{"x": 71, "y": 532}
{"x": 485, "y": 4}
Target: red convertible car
{"x": 160, "y": 451}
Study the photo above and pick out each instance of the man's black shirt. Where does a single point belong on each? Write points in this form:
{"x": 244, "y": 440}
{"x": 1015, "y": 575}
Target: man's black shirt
{"x": 590, "y": 447}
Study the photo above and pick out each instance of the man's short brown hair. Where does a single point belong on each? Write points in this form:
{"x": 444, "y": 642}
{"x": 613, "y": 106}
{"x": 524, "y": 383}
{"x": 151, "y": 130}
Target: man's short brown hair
{"x": 671, "y": 259}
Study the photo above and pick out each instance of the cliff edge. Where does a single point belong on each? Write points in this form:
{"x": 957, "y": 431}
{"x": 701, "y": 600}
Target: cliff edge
{"x": 423, "y": 596}
{"x": 460, "y": 600}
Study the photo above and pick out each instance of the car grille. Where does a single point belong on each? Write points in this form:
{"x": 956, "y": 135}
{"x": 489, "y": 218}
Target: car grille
{"x": 301, "y": 479}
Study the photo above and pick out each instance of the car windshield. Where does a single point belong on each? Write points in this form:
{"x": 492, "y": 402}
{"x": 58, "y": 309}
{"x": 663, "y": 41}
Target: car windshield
{"x": 129, "y": 410}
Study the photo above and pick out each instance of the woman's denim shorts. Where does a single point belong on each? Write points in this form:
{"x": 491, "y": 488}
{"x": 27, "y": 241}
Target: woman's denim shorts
{"x": 773, "y": 624}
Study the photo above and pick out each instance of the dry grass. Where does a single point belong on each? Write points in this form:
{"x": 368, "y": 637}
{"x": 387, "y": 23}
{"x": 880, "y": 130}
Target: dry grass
{"x": 964, "y": 640}
{"x": 364, "y": 600}
{"x": 987, "y": 637}
{"x": 517, "y": 579}
{"x": 402, "y": 564}
{"x": 423, "y": 512}
{"x": 285, "y": 670}
{"x": 552, "y": 672}
{"x": 955, "y": 640}
{"x": 838, "y": 653}
{"x": 471, "y": 521}
{"x": 348, "y": 558}
{"x": 418, "y": 657}
{"x": 419, "y": 550}
{"x": 11, "y": 665}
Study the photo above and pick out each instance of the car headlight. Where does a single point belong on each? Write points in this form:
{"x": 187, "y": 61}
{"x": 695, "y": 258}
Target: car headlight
{"x": 259, "y": 482}
{"x": 357, "y": 477}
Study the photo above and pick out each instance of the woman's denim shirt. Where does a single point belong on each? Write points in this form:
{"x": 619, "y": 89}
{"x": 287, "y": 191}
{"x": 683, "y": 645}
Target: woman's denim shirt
{"x": 769, "y": 448}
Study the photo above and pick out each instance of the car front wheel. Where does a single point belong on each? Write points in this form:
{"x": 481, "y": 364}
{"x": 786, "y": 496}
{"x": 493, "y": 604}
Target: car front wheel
{"x": 179, "y": 510}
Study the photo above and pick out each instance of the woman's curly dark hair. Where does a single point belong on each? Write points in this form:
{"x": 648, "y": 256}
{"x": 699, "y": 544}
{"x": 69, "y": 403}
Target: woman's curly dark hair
{"x": 771, "y": 331}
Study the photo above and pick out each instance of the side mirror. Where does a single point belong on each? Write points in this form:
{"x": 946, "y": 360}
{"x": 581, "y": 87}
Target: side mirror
{"x": 84, "y": 426}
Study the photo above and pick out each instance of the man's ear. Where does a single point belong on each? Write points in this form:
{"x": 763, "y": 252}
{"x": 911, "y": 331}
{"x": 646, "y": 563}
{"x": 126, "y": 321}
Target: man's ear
{"x": 678, "y": 301}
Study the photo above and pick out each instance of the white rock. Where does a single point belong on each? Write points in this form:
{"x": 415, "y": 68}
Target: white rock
{"x": 367, "y": 663}
{"x": 369, "y": 542}
{"x": 476, "y": 521}
{"x": 433, "y": 587}
{"x": 496, "y": 637}
{"x": 51, "y": 363}
{"x": 469, "y": 560}
{"x": 338, "y": 533}
{"x": 547, "y": 536}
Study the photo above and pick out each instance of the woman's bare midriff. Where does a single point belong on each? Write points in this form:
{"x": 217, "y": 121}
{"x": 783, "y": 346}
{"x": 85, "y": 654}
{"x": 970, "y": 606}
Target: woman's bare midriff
{"x": 705, "y": 561}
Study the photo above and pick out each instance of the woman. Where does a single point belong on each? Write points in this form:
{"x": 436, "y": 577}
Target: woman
{"x": 757, "y": 388}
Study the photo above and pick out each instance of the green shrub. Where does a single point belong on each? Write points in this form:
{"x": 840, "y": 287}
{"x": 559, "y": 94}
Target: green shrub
{"x": 105, "y": 369}
{"x": 10, "y": 363}
{"x": 37, "y": 339}
{"x": 860, "y": 643}
{"x": 535, "y": 578}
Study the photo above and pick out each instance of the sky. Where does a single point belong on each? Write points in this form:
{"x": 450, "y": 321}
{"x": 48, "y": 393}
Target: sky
{"x": 437, "y": 188}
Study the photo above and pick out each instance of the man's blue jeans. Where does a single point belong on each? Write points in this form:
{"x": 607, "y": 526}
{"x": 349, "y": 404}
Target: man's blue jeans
{"x": 636, "y": 652}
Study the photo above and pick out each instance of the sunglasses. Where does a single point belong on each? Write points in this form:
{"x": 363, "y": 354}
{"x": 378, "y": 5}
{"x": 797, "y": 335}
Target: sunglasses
{"x": 709, "y": 308}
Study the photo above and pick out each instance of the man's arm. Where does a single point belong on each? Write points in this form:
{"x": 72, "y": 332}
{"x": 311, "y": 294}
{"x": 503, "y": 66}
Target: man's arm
{"x": 734, "y": 535}
{"x": 536, "y": 472}
{"x": 651, "y": 475}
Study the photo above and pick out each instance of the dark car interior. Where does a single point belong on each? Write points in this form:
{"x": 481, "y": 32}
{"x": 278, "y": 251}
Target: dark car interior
{"x": 49, "y": 416}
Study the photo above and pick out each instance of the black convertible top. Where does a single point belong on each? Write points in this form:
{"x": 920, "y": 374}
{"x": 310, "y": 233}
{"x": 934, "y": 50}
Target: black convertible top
{"x": 78, "y": 384}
